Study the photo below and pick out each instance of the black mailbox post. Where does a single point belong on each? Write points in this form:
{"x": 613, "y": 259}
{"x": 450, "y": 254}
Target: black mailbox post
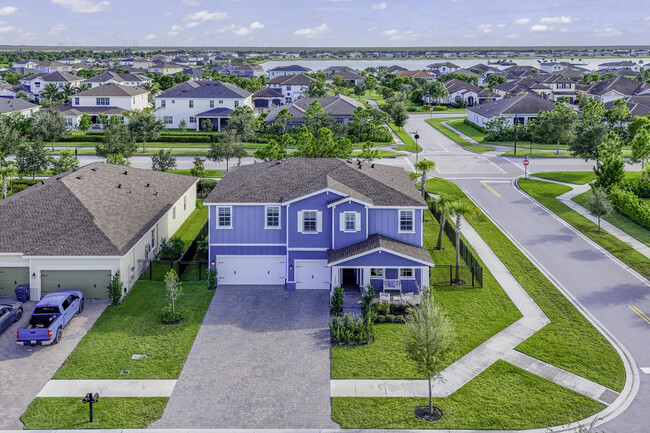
{"x": 90, "y": 399}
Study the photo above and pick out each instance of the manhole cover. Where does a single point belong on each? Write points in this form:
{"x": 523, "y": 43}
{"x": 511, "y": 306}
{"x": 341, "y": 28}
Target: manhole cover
{"x": 125, "y": 372}
{"x": 608, "y": 396}
{"x": 139, "y": 357}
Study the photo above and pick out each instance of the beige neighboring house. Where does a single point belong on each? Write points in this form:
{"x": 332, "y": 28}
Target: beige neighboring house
{"x": 18, "y": 105}
{"x": 37, "y": 82}
{"x": 78, "y": 229}
{"x": 109, "y": 77}
{"x": 417, "y": 75}
{"x": 165, "y": 68}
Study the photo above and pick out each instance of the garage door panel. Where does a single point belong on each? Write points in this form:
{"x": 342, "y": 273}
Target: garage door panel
{"x": 11, "y": 277}
{"x": 93, "y": 283}
{"x": 312, "y": 274}
{"x": 249, "y": 270}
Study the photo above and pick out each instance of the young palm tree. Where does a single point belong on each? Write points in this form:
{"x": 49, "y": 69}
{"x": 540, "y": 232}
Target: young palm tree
{"x": 6, "y": 172}
{"x": 50, "y": 92}
{"x": 83, "y": 86}
{"x": 441, "y": 205}
{"x": 457, "y": 210}
{"x": 424, "y": 166}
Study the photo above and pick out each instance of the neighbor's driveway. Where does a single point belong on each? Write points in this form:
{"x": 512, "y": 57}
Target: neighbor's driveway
{"x": 260, "y": 360}
{"x": 25, "y": 370}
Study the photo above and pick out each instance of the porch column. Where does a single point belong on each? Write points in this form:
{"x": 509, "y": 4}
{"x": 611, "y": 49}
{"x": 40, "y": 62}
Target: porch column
{"x": 366, "y": 276}
{"x": 424, "y": 276}
{"x": 335, "y": 276}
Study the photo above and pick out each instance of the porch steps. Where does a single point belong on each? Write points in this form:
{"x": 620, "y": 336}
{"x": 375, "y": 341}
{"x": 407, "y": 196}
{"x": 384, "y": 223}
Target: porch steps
{"x": 352, "y": 301}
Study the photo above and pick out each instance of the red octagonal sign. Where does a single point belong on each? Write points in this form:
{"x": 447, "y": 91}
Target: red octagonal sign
{"x": 526, "y": 162}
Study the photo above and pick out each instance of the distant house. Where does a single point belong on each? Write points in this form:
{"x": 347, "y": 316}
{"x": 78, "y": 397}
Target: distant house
{"x": 348, "y": 77}
{"x": 44, "y": 67}
{"x": 573, "y": 73}
{"x": 394, "y": 69}
{"x": 517, "y": 71}
{"x": 70, "y": 60}
{"x": 243, "y": 69}
{"x": 638, "y": 105}
{"x": 108, "y": 99}
{"x": 37, "y": 82}
{"x": 165, "y": 68}
{"x": 615, "y": 88}
{"x": 417, "y": 75}
{"x": 339, "y": 107}
{"x": 133, "y": 80}
{"x": 196, "y": 101}
{"x": 625, "y": 64}
{"x": 292, "y": 87}
{"x": 520, "y": 109}
{"x": 10, "y": 91}
{"x": 443, "y": 68}
{"x": 193, "y": 73}
{"x": 267, "y": 97}
{"x": 18, "y": 105}
{"x": 550, "y": 67}
{"x": 282, "y": 71}
{"x": 522, "y": 85}
{"x": 470, "y": 94}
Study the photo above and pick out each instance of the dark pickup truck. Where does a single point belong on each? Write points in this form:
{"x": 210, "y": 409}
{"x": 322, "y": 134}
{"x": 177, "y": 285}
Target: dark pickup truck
{"x": 52, "y": 313}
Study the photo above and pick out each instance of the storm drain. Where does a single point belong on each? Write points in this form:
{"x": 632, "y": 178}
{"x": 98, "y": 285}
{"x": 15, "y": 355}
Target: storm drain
{"x": 608, "y": 396}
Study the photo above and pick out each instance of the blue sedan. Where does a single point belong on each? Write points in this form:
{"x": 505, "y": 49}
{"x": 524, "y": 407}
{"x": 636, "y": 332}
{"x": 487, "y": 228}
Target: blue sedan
{"x": 10, "y": 312}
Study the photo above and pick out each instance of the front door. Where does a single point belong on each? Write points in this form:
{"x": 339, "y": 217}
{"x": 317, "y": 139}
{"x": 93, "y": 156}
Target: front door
{"x": 349, "y": 277}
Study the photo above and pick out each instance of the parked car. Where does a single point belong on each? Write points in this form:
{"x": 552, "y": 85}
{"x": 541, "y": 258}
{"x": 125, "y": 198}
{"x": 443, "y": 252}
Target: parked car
{"x": 10, "y": 312}
{"x": 52, "y": 313}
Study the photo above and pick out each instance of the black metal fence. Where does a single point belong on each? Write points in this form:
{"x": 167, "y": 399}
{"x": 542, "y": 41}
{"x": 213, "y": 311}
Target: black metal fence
{"x": 187, "y": 270}
{"x": 444, "y": 275}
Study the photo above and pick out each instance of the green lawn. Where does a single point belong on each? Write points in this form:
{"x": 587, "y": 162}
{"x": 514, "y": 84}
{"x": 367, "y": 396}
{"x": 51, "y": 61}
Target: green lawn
{"x": 622, "y": 222}
{"x": 409, "y": 143}
{"x": 190, "y": 228}
{"x": 416, "y": 108}
{"x": 479, "y": 136}
{"x": 436, "y": 123}
{"x": 374, "y": 95}
{"x": 382, "y": 153}
{"x": 503, "y": 397}
{"x": 206, "y": 173}
{"x": 477, "y": 315}
{"x": 134, "y": 327}
{"x": 569, "y": 341}
{"x": 175, "y": 152}
{"x": 108, "y": 413}
{"x": 574, "y": 177}
{"x": 538, "y": 153}
{"x": 546, "y": 193}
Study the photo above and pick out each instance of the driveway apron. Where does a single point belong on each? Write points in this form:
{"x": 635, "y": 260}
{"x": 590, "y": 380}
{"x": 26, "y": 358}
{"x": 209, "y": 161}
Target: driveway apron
{"x": 260, "y": 360}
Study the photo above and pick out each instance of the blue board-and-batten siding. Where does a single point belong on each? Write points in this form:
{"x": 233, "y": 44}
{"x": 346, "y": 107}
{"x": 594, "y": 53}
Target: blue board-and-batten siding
{"x": 248, "y": 227}
{"x": 386, "y": 222}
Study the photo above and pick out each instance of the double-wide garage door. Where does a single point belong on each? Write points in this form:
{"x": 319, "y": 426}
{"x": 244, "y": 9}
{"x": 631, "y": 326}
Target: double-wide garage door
{"x": 251, "y": 270}
{"x": 94, "y": 284}
{"x": 12, "y": 277}
{"x": 312, "y": 274}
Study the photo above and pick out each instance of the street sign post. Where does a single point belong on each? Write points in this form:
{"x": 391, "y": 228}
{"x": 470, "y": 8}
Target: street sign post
{"x": 90, "y": 398}
{"x": 526, "y": 162}
{"x": 417, "y": 137}
{"x": 431, "y": 111}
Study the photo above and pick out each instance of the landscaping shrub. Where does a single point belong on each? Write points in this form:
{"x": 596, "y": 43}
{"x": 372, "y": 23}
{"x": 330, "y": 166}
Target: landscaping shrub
{"x": 204, "y": 187}
{"x": 18, "y": 185}
{"x": 115, "y": 289}
{"x": 336, "y": 303}
{"x": 348, "y": 329}
{"x": 171, "y": 249}
{"x": 179, "y": 138}
{"x": 389, "y": 318}
{"x": 168, "y": 316}
{"x": 638, "y": 186}
{"x": 630, "y": 205}
{"x": 83, "y": 138}
{"x": 212, "y": 278}
{"x": 439, "y": 108}
{"x": 368, "y": 297}
{"x": 383, "y": 308}
{"x": 474, "y": 125}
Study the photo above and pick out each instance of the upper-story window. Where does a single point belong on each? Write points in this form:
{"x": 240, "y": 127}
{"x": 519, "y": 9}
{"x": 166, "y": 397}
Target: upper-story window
{"x": 350, "y": 222}
{"x": 272, "y": 217}
{"x": 191, "y": 103}
{"x": 103, "y": 101}
{"x": 37, "y": 84}
{"x": 174, "y": 213}
{"x": 406, "y": 221}
{"x": 220, "y": 101}
{"x": 153, "y": 238}
{"x": 236, "y": 104}
{"x": 308, "y": 221}
{"x": 76, "y": 101}
{"x": 211, "y": 104}
{"x": 406, "y": 272}
{"x": 163, "y": 103}
{"x": 224, "y": 217}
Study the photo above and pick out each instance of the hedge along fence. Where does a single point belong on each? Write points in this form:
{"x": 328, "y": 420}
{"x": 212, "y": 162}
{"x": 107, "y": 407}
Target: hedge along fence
{"x": 638, "y": 186}
{"x": 631, "y": 206}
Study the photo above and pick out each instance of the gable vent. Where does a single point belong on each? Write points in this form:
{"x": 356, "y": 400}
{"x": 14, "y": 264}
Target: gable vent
{"x": 119, "y": 185}
{"x": 126, "y": 172}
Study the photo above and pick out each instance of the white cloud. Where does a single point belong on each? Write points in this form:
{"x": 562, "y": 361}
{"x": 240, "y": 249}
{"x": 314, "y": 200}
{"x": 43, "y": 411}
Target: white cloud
{"x": 83, "y": 6}
{"x": 391, "y": 32}
{"x": 7, "y": 10}
{"x": 190, "y": 2}
{"x": 501, "y": 26}
{"x": 57, "y": 28}
{"x": 556, "y": 20}
{"x": 191, "y": 24}
{"x": 206, "y": 16}
{"x": 540, "y": 28}
{"x": 313, "y": 32}
{"x": 5, "y": 27}
{"x": 372, "y": 29}
{"x": 607, "y": 32}
{"x": 337, "y": 1}
{"x": 241, "y": 31}
{"x": 396, "y": 35}
{"x": 485, "y": 28}
{"x": 168, "y": 14}
{"x": 379, "y": 6}
{"x": 256, "y": 25}
{"x": 522, "y": 21}
{"x": 511, "y": 36}
{"x": 149, "y": 37}
{"x": 646, "y": 19}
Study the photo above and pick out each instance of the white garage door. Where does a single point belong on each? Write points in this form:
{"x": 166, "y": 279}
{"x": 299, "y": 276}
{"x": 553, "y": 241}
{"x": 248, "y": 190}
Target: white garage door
{"x": 312, "y": 274}
{"x": 251, "y": 270}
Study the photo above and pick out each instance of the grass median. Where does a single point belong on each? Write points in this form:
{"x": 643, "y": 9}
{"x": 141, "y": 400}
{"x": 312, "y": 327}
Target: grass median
{"x": 437, "y": 123}
{"x": 409, "y": 143}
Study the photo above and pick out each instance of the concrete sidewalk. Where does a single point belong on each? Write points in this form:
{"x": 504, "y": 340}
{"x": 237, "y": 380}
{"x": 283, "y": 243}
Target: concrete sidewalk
{"x": 108, "y": 388}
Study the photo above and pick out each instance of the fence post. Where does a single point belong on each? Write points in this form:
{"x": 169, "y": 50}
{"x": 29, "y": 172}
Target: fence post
{"x": 150, "y": 270}
{"x": 472, "y": 272}
{"x": 200, "y": 263}
{"x": 451, "y": 275}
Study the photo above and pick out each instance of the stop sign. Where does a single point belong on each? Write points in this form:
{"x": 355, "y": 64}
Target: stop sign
{"x": 416, "y": 136}
{"x": 526, "y": 162}
{"x": 431, "y": 109}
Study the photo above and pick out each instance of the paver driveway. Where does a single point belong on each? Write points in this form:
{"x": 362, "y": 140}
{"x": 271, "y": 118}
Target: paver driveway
{"x": 25, "y": 370}
{"x": 260, "y": 360}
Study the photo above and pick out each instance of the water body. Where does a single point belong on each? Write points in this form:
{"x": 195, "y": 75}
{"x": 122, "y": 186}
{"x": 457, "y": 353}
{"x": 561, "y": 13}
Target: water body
{"x": 418, "y": 64}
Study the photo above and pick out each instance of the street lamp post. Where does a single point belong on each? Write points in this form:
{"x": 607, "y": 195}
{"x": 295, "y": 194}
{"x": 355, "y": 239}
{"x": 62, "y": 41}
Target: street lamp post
{"x": 515, "y": 127}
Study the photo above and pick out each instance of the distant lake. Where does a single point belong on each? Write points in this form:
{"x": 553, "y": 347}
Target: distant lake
{"x": 418, "y": 64}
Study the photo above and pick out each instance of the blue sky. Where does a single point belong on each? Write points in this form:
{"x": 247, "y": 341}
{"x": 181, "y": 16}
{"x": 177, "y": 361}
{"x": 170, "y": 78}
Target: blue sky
{"x": 373, "y": 23}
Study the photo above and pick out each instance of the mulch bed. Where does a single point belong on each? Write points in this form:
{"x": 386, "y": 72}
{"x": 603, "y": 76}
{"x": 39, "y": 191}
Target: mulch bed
{"x": 422, "y": 412}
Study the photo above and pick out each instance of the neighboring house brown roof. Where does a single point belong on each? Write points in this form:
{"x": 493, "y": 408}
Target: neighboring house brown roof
{"x": 638, "y": 105}
{"x": 415, "y": 75}
{"x": 455, "y": 85}
{"x": 292, "y": 80}
{"x": 112, "y": 90}
{"x": 346, "y": 75}
{"x": 84, "y": 212}
{"x": 267, "y": 92}
{"x": 440, "y": 65}
{"x": 377, "y": 241}
{"x": 281, "y": 181}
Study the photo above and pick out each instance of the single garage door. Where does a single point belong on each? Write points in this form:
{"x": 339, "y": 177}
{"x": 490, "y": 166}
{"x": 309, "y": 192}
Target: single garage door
{"x": 93, "y": 283}
{"x": 312, "y": 274}
{"x": 251, "y": 270}
{"x": 12, "y": 277}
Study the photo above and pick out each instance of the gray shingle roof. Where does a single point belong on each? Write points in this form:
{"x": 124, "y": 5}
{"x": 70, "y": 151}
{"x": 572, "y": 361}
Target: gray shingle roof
{"x": 337, "y": 106}
{"x": 291, "y": 80}
{"x": 281, "y": 181}
{"x": 290, "y": 68}
{"x": 68, "y": 109}
{"x": 204, "y": 89}
{"x": 527, "y": 103}
{"x": 55, "y": 77}
{"x": 85, "y": 213}
{"x": 112, "y": 90}
{"x": 267, "y": 92}
{"x": 619, "y": 84}
{"x": 8, "y": 105}
{"x": 109, "y": 75}
{"x": 379, "y": 241}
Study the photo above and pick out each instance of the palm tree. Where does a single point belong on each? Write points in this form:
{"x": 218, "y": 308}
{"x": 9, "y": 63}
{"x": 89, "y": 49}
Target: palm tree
{"x": 50, "y": 92}
{"x": 83, "y": 86}
{"x": 68, "y": 90}
{"x": 441, "y": 205}
{"x": 152, "y": 88}
{"x": 6, "y": 172}
{"x": 424, "y": 166}
{"x": 459, "y": 209}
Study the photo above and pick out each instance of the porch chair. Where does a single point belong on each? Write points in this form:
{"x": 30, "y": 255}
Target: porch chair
{"x": 384, "y": 297}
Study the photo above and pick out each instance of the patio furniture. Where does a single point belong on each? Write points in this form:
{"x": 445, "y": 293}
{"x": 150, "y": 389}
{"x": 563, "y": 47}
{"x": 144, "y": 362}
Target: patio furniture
{"x": 384, "y": 297}
{"x": 393, "y": 285}
{"x": 407, "y": 298}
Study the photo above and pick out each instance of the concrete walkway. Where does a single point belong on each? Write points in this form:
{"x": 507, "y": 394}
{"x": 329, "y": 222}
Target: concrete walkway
{"x": 108, "y": 388}
{"x": 500, "y": 346}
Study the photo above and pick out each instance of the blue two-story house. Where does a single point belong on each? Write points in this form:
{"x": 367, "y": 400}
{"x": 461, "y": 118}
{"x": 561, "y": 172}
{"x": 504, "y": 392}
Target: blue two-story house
{"x": 318, "y": 223}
